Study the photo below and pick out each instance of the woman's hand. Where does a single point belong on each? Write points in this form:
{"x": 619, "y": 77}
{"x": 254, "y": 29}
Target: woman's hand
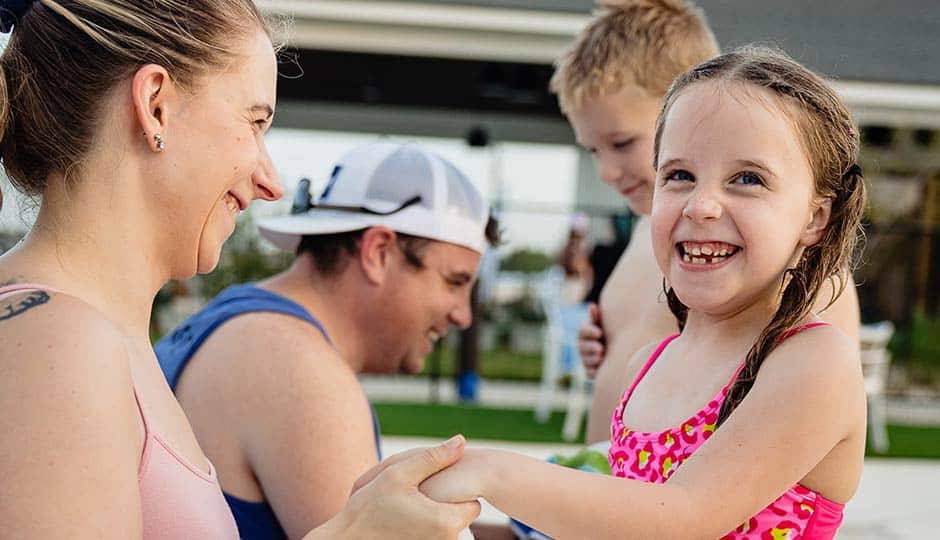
{"x": 386, "y": 501}
{"x": 461, "y": 482}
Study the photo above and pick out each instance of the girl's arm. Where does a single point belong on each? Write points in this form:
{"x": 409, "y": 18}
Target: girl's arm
{"x": 808, "y": 398}
{"x": 71, "y": 438}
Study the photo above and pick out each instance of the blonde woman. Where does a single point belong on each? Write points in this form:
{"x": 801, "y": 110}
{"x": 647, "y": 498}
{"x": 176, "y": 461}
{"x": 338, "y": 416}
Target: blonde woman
{"x": 140, "y": 124}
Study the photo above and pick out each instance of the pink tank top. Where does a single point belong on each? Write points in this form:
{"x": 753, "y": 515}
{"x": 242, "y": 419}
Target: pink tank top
{"x": 177, "y": 499}
{"x": 799, "y": 513}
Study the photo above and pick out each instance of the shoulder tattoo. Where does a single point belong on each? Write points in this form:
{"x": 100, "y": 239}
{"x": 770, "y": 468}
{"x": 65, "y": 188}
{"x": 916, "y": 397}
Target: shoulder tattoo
{"x": 33, "y": 300}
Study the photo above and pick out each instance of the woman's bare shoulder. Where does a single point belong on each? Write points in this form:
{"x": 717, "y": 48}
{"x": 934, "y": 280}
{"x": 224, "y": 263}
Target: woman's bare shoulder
{"x": 70, "y": 422}
{"x": 58, "y": 334}
{"x": 54, "y": 319}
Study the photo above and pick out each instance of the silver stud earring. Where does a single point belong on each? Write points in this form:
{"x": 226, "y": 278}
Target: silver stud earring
{"x": 161, "y": 144}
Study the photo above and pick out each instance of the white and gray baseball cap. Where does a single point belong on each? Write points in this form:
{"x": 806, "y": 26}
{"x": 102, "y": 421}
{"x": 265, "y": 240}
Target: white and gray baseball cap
{"x": 402, "y": 186}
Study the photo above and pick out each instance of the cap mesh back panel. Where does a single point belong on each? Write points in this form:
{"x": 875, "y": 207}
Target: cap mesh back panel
{"x": 462, "y": 197}
{"x": 409, "y": 163}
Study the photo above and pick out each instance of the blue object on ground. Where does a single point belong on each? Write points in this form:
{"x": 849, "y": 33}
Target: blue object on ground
{"x": 467, "y": 384}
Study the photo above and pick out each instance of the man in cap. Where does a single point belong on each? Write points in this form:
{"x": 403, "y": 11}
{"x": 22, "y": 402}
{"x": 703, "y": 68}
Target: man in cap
{"x": 266, "y": 372}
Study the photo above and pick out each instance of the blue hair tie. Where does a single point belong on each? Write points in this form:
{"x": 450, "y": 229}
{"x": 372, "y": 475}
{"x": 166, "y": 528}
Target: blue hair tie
{"x": 11, "y": 11}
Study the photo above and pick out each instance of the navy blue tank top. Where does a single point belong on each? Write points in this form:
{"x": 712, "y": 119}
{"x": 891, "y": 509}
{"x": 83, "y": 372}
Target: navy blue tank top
{"x": 256, "y": 520}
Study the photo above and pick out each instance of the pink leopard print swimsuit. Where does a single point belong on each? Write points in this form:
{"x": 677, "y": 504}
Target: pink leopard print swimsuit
{"x": 799, "y": 513}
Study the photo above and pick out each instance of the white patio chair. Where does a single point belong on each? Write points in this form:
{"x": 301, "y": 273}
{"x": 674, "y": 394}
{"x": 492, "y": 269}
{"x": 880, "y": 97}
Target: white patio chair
{"x": 561, "y": 325}
{"x": 876, "y": 362}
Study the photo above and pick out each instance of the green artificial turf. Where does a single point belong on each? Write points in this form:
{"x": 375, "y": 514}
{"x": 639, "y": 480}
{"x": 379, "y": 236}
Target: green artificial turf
{"x": 418, "y": 420}
{"x": 496, "y": 364}
{"x": 440, "y": 421}
{"x": 911, "y": 442}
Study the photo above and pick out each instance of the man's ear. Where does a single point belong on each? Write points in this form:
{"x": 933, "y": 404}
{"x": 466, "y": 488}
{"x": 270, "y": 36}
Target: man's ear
{"x": 376, "y": 253}
{"x": 818, "y": 222}
{"x": 153, "y": 94}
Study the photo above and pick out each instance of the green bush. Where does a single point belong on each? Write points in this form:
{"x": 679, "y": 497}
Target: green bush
{"x": 525, "y": 260}
{"x": 242, "y": 261}
{"x": 525, "y": 309}
{"x": 918, "y": 346}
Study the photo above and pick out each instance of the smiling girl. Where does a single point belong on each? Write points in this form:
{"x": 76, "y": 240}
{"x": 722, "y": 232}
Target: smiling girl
{"x": 750, "y": 423}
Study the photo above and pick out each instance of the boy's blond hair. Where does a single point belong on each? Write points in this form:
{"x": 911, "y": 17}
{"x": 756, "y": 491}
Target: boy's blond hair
{"x": 644, "y": 42}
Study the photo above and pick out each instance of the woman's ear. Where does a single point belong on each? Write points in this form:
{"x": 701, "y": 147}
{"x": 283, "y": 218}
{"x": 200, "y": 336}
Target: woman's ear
{"x": 153, "y": 93}
{"x": 818, "y": 222}
{"x": 376, "y": 251}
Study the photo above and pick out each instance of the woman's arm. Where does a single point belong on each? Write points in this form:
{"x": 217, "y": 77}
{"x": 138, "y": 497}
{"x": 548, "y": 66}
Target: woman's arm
{"x": 387, "y": 503}
{"x": 807, "y": 399}
{"x": 71, "y": 440}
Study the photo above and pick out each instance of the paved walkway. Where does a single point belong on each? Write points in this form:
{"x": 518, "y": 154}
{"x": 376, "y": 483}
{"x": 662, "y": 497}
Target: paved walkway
{"x": 515, "y": 394}
{"x": 897, "y": 499}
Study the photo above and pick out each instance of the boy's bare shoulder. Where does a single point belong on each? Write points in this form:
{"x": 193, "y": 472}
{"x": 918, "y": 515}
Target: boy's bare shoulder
{"x": 634, "y": 292}
{"x": 636, "y": 265}
{"x": 640, "y": 357}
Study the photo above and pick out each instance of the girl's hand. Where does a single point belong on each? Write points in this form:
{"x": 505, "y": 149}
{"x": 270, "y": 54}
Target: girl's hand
{"x": 461, "y": 482}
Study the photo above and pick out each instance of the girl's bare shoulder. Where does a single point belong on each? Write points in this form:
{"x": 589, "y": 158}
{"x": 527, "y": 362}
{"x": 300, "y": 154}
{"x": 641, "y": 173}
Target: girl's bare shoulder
{"x": 822, "y": 355}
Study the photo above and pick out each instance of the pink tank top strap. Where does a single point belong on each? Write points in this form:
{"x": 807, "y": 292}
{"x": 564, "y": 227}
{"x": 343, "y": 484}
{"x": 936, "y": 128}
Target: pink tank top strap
{"x": 143, "y": 414}
{"x": 20, "y": 287}
{"x": 662, "y": 346}
{"x": 649, "y": 363}
{"x": 786, "y": 335}
{"x": 177, "y": 499}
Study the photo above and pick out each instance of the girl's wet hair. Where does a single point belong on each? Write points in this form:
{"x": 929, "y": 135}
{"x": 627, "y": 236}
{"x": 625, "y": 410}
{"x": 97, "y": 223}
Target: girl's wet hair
{"x": 65, "y": 57}
{"x": 831, "y": 143}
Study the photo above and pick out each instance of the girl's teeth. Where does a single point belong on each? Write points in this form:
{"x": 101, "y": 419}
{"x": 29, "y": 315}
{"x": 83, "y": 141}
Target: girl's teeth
{"x": 706, "y": 250}
{"x": 715, "y": 258}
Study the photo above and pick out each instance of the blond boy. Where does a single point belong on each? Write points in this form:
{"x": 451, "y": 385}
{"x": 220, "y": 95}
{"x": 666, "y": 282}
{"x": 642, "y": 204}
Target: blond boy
{"x": 610, "y": 86}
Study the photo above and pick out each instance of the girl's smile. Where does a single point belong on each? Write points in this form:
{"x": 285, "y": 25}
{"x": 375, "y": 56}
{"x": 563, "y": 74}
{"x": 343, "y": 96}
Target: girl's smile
{"x": 705, "y": 255}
